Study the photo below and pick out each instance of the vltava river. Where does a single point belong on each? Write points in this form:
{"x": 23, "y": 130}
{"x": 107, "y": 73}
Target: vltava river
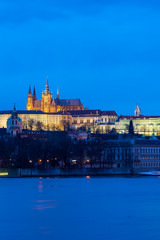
{"x": 110, "y": 208}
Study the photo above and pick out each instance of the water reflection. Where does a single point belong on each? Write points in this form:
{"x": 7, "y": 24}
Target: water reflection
{"x": 40, "y": 186}
{"x": 114, "y": 208}
{"x": 88, "y": 177}
{"x": 42, "y": 207}
{"x": 44, "y": 204}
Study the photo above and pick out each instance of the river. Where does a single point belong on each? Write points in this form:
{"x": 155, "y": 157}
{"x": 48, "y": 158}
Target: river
{"x": 113, "y": 208}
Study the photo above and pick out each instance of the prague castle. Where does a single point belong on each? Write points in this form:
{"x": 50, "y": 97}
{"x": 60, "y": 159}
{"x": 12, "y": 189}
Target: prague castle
{"x": 56, "y": 114}
{"x": 50, "y": 105}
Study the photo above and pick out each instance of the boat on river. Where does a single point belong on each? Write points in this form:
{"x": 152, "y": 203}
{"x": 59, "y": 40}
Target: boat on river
{"x": 150, "y": 173}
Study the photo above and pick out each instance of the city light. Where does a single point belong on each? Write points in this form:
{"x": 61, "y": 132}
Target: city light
{"x": 4, "y": 174}
{"x": 74, "y": 161}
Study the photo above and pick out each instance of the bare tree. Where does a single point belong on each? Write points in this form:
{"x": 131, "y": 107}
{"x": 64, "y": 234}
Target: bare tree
{"x": 31, "y": 123}
{"x": 39, "y": 125}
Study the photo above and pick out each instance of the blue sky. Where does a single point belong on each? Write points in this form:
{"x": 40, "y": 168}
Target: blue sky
{"x": 107, "y": 53}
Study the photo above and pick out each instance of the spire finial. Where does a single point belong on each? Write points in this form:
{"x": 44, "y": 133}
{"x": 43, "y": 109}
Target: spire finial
{"x": 57, "y": 93}
{"x": 14, "y": 113}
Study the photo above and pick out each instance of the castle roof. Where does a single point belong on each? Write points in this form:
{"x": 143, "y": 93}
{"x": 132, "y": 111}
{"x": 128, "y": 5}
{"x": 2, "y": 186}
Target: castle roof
{"x": 68, "y": 102}
{"x": 108, "y": 113}
{"x": 137, "y": 117}
{"x": 93, "y": 113}
{"x": 33, "y": 112}
{"x": 37, "y": 103}
{"x": 85, "y": 112}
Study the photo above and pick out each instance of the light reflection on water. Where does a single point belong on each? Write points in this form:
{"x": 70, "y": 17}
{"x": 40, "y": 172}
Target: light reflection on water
{"x": 80, "y": 208}
{"x": 44, "y": 204}
{"x": 40, "y": 186}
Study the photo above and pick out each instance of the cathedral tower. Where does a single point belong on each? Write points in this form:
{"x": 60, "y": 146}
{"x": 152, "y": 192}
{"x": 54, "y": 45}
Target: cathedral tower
{"x": 48, "y": 104}
{"x": 30, "y": 100}
{"x": 46, "y": 99}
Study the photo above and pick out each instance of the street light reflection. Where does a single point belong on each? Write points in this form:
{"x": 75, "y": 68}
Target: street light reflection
{"x": 88, "y": 177}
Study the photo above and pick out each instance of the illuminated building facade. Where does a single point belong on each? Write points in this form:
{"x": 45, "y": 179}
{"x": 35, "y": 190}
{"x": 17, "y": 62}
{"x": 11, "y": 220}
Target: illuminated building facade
{"x": 146, "y": 125}
{"x": 50, "y": 105}
{"x": 93, "y": 120}
{"x": 33, "y": 119}
{"x": 89, "y": 119}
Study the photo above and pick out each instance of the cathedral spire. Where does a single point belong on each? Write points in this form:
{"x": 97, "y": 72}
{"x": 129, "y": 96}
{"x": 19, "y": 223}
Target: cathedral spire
{"x": 34, "y": 94}
{"x": 47, "y": 87}
{"x": 57, "y": 93}
{"x": 29, "y": 90}
{"x": 14, "y": 109}
{"x": 14, "y": 113}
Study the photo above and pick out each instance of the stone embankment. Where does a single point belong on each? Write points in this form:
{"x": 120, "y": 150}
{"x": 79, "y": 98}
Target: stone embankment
{"x": 4, "y": 172}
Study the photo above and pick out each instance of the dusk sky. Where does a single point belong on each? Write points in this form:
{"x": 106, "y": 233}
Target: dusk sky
{"x": 107, "y": 53}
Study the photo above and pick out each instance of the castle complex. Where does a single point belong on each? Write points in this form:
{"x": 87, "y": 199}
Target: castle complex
{"x": 56, "y": 114}
{"x": 50, "y": 105}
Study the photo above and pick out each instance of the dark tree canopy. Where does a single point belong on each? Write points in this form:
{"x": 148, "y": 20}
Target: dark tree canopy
{"x": 131, "y": 128}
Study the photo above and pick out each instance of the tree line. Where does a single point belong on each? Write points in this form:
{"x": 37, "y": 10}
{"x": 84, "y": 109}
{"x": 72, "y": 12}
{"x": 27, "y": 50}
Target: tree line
{"x": 38, "y": 125}
{"x": 53, "y": 151}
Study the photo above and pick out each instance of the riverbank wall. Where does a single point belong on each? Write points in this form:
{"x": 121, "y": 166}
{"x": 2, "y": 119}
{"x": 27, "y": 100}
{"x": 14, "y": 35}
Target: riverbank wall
{"x": 57, "y": 172}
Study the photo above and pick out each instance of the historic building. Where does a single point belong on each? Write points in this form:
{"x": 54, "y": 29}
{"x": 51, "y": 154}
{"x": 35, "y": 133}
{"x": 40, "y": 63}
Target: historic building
{"x": 38, "y": 120}
{"x": 136, "y": 154}
{"x": 146, "y": 125}
{"x": 90, "y": 119}
{"x": 50, "y": 105}
{"x": 94, "y": 120}
{"x": 14, "y": 124}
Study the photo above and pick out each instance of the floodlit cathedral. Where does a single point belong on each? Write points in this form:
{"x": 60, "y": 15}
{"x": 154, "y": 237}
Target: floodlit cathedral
{"x": 50, "y": 105}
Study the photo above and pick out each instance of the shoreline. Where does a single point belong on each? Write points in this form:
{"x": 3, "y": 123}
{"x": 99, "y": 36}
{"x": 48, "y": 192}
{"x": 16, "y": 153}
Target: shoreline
{"x": 57, "y": 172}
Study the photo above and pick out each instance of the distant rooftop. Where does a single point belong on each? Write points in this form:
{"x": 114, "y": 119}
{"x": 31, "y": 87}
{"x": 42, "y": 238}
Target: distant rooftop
{"x": 95, "y": 112}
{"x": 138, "y": 117}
